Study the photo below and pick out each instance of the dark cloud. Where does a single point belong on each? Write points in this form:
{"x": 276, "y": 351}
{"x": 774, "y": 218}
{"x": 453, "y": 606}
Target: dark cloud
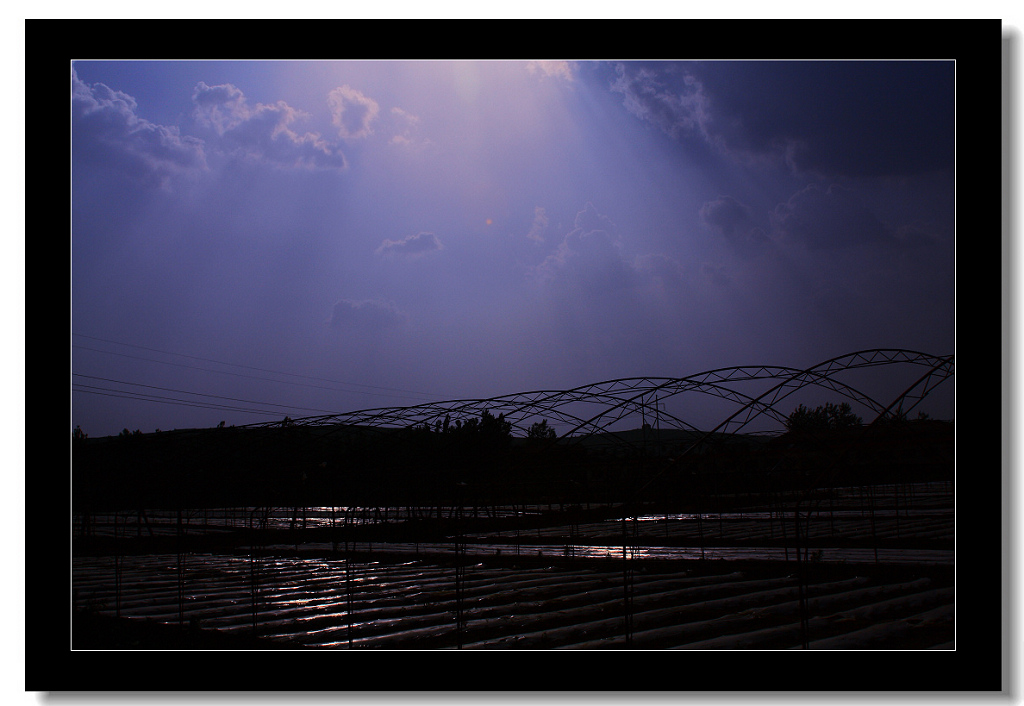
{"x": 864, "y": 118}
{"x": 726, "y": 216}
{"x": 834, "y": 218}
{"x": 660, "y": 273}
{"x": 588, "y": 257}
{"x": 732, "y": 220}
{"x": 915, "y": 236}
{"x": 590, "y": 269}
{"x": 262, "y": 132}
{"x": 106, "y": 129}
{"x": 366, "y": 315}
{"x": 717, "y": 274}
{"x": 410, "y": 246}
{"x": 852, "y": 118}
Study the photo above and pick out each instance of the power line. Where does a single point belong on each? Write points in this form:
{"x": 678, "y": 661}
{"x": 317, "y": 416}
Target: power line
{"x": 254, "y": 377}
{"x": 106, "y": 392}
{"x": 247, "y": 367}
{"x": 188, "y": 392}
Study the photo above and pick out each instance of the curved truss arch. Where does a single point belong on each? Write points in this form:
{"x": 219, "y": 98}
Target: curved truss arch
{"x": 620, "y": 398}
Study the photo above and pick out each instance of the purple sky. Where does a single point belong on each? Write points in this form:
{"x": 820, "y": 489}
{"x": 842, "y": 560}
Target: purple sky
{"x": 304, "y": 237}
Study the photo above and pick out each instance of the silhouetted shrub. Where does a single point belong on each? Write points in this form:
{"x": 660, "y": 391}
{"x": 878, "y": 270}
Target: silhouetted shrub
{"x": 823, "y": 419}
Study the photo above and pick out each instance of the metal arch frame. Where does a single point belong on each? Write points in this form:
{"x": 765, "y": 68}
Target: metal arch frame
{"x": 825, "y": 370}
{"x": 858, "y": 359}
{"x": 548, "y": 403}
{"x": 942, "y": 369}
{"x": 698, "y": 383}
{"x": 629, "y": 396}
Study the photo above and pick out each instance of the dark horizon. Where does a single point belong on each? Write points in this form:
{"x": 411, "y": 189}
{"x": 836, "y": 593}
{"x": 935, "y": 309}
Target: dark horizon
{"x": 544, "y": 405}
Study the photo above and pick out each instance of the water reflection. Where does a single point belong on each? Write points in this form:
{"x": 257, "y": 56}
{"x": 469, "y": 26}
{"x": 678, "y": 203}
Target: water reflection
{"x": 845, "y": 555}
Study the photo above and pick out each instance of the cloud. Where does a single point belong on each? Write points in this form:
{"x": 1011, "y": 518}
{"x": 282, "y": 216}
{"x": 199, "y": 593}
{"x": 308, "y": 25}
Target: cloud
{"x": 834, "y": 218}
{"x": 732, "y": 220}
{"x": 718, "y": 274}
{"x": 679, "y": 110}
{"x": 852, "y": 118}
{"x": 589, "y": 265}
{"x": 831, "y": 118}
{"x": 659, "y": 273}
{"x": 588, "y": 256}
{"x": 554, "y": 69}
{"x": 352, "y": 112}
{"x": 589, "y": 221}
{"x": 589, "y": 262}
{"x": 540, "y": 224}
{"x": 916, "y": 236}
{"x": 726, "y": 216}
{"x": 406, "y": 126}
{"x": 221, "y": 107}
{"x": 609, "y": 311}
{"x": 106, "y": 129}
{"x": 873, "y": 118}
{"x": 411, "y": 246}
{"x": 262, "y": 132}
{"x": 366, "y": 315}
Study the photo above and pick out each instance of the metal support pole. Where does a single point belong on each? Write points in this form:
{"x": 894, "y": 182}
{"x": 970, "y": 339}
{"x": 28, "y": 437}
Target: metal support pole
{"x": 627, "y": 584}
{"x": 181, "y": 570}
{"x": 460, "y": 577}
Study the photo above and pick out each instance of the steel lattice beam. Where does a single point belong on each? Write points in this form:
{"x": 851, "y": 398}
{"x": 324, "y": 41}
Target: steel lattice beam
{"x": 617, "y": 399}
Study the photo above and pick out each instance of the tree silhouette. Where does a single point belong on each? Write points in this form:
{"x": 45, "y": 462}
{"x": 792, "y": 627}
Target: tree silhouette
{"x": 826, "y": 418}
{"x": 495, "y": 428}
{"x": 541, "y": 430}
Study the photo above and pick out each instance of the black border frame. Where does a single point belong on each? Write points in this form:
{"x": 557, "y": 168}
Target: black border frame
{"x": 982, "y": 659}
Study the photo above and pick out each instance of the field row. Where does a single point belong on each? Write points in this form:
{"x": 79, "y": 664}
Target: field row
{"x": 328, "y": 602}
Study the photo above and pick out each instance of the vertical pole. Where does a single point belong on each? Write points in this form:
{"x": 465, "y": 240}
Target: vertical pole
{"x": 801, "y": 580}
{"x": 255, "y": 532}
{"x": 334, "y": 531}
{"x": 180, "y": 535}
{"x": 349, "y": 581}
{"x": 627, "y": 585}
{"x": 460, "y": 577}
{"x": 896, "y": 498}
{"x": 700, "y": 528}
{"x": 831, "y": 513}
{"x": 349, "y": 598}
{"x": 516, "y": 523}
{"x": 118, "y": 561}
{"x": 782, "y": 525}
{"x": 874, "y": 535}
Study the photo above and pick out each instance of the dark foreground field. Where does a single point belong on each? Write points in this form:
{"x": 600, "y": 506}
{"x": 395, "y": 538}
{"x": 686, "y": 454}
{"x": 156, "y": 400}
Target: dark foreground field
{"x": 225, "y": 540}
{"x": 417, "y": 606}
{"x": 875, "y": 570}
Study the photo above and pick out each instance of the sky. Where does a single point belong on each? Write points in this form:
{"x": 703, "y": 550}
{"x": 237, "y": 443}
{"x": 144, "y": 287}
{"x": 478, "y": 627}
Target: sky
{"x": 258, "y": 239}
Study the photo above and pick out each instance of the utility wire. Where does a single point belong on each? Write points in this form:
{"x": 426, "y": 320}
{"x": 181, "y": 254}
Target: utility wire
{"x": 256, "y": 377}
{"x": 187, "y": 392}
{"x": 247, "y": 367}
{"x": 170, "y": 400}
